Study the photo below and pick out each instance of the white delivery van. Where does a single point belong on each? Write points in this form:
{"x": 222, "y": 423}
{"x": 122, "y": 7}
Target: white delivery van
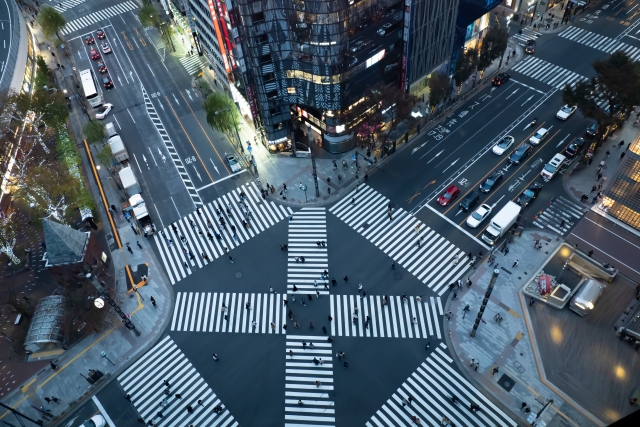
{"x": 553, "y": 166}
{"x": 129, "y": 181}
{"x": 501, "y": 222}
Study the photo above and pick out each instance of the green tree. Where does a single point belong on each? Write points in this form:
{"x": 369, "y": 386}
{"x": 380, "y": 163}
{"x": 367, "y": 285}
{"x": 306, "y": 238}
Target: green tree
{"x": 222, "y": 113}
{"x": 148, "y": 16}
{"x": 94, "y": 131}
{"x": 45, "y": 106}
{"x": 43, "y": 73}
{"x": 105, "y": 155}
{"x": 617, "y": 82}
{"x": 439, "y": 86}
{"x": 51, "y": 22}
{"x": 465, "y": 66}
{"x": 494, "y": 43}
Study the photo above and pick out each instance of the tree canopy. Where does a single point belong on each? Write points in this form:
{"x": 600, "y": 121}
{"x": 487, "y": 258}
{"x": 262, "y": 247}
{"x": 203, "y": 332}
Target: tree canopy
{"x": 93, "y": 131}
{"x": 51, "y": 22}
{"x": 222, "y": 113}
{"x": 494, "y": 43}
{"x": 465, "y": 66}
{"x": 611, "y": 94}
{"x": 439, "y": 86}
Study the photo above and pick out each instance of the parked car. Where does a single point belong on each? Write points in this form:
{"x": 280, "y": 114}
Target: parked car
{"x": 104, "y": 111}
{"x": 233, "y": 163}
{"x": 383, "y": 31}
{"x": 357, "y": 46}
{"x": 469, "y": 201}
{"x": 449, "y": 195}
{"x": 574, "y": 148}
{"x": 593, "y": 129}
{"x": 551, "y": 168}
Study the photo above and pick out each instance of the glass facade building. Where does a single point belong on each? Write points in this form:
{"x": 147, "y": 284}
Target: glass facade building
{"x": 622, "y": 198}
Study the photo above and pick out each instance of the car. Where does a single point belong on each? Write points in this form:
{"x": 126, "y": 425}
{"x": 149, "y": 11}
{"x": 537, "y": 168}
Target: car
{"x": 233, "y": 163}
{"x": 390, "y": 67}
{"x": 95, "y": 421}
{"x": 357, "y": 46}
{"x": 500, "y": 79}
{"x": 537, "y": 137}
{"x": 503, "y": 145}
{"x": 574, "y": 148}
{"x": 593, "y": 129}
{"x": 102, "y": 68}
{"x": 383, "y": 31}
{"x": 469, "y": 201}
{"x": 353, "y": 62}
{"x": 491, "y": 181}
{"x": 100, "y": 34}
{"x": 530, "y": 47}
{"x": 520, "y": 153}
{"x": 94, "y": 54}
{"x": 449, "y": 195}
{"x": 89, "y": 40}
{"x": 104, "y": 111}
{"x": 566, "y": 112}
{"x": 529, "y": 194}
{"x": 554, "y": 165}
{"x": 105, "y": 47}
{"x": 106, "y": 82}
{"x": 479, "y": 215}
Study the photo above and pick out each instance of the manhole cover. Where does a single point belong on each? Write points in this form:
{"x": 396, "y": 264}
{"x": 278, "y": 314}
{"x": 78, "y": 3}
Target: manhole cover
{"x": 506, "y": 382}
{"x": 238, "y": 275}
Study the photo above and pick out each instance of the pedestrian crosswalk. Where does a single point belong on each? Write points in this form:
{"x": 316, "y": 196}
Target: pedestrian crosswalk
{"x": 249, "y": 313}
{"x": 67, "y": 4}
{"x": 209, "y": 232}
{"x": 308, "y": 382}
{"x": 427, "y": 394}
{"x": 192, "y": 64}
{"x": 145, "y": 380}
{"x": 413, "y": 318}
{"x": 307, "y": 228}
{"x": 560, "y": 216}
{"x": 397, "y": 234}
{"x": 548, "y": 73}
{"x": 98, "y": 16}
{"x": 527, "y": 34}
{"x": 600, "y": 42}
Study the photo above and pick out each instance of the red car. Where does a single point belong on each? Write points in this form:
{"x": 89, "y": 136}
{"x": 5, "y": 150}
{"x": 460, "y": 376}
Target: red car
{"x": 101, "y": 34}
{"x": 449, "y": 195}
{"x": 89, "y": 40}
{"x": 94, "y": 54}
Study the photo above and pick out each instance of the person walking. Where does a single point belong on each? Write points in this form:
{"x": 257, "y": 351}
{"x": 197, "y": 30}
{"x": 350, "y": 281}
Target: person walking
{"x": 231, "y": 259}
{"x": 129, "y": 249}
{"x": 346, "y": 279}
{"x": 153, "y": 302}
{"x": 494, "y": 371}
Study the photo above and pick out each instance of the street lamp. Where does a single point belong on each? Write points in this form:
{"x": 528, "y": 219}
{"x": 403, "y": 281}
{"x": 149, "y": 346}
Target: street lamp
{"x": 304, "y": 188}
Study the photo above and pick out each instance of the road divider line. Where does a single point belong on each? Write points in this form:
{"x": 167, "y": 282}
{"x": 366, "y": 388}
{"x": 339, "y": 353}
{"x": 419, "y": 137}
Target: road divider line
{"x": 103, "y": 412}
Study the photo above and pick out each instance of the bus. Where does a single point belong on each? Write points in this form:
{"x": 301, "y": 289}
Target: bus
{"x": 89, "y": 86}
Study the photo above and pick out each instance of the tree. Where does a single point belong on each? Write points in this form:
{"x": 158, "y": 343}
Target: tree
{"x": 44, "y": 107}
{"x": 439, "y": 86}
{"x": 8, "y": 235}
{"x": 105, "y": 155}
{"x": 51, "y": 22}
{"x": 148, "y": 16}
{"x": 43, "y": 73}
{"x": 93, "y": 131}
{"x": 617, "y": 83}
{"x": 396, "y": 102}
{"x": 494, "y": 43}
{"x": 465, "y": 66}
{"x": 222, "y": 113}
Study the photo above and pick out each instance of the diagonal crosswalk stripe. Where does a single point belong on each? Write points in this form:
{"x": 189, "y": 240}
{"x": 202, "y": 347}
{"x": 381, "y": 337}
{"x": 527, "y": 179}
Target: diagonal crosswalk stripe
{"x": 560, "y": 216}
{"x": 599, "y": 42}
{"x": 210, "y": 232}
{"x": 308, "y": 382}
{"x": 427, "y": 393}
{"x": 67, "y": 4}
{"x": 397, "y": 234}
{"x": 192, "y": 64}
{"x": 98, "y": 16}
{"x": 166, "y": 405}
{"x": 307, "y": 257}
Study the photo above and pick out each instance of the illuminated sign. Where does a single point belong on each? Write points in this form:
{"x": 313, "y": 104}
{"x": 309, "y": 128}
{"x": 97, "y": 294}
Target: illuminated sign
{"x": 216, "y": 27}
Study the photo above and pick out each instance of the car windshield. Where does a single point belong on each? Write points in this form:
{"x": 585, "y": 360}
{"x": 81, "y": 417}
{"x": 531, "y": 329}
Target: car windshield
{"x": 538, "y": 135}
{"x": 566, "y": 109}
{"x": 476, "y": 216}
{"x": 573, "y": 147}
{"x": 504, "y": 143}
{"x": 89, "y": 423}
{"x": 446, "y": 195}
{"x": 528, "y": 193}
{"x": 232, "y": 160}
{"x": 489, "y": 182}
{"x": 550, "y": 168}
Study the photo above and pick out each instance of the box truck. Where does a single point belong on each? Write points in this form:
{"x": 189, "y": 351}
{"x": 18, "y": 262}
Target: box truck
{"x": 501, "y": 222}
{"x": 129, "y": 181}
{"x": 138, "y": 209}
{"x": 118, "y": 151}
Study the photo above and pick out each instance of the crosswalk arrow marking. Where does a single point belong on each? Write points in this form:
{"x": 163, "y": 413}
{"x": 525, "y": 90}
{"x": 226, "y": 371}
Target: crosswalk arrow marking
{"x": 528, "y": 99}
{"x": 214, "y": 165}
{"x": 512, "y": 93}
{"x": 453, "y": 163}
{"x": 435, "y": 156}
{"x": 563, "y": 139}
{"x": 174, "y": 97}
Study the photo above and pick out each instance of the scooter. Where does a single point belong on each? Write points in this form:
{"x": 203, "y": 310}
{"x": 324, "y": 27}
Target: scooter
{"x": 533, "y": 123}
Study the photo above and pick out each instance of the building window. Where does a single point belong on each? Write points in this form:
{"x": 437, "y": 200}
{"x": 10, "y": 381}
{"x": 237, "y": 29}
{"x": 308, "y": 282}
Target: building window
{"x": 291, "y": 90}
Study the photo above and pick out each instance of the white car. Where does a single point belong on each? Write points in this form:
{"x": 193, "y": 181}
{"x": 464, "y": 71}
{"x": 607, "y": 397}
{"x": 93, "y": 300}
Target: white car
{"x": 383, "y": 31}
{"x": 539, "y": 136}
{"x": 105, "y": 48}
{"x": 504, "y": 144}
{"x": 104, "y": 111}
{"x": 95, "y": 421}
{"x": 233, "y": 163}
{"x": 480, "y": 214}
{"x": 566, "y": 112}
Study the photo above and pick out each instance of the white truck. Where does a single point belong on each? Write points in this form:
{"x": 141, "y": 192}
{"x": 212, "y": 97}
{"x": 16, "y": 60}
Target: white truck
{"x": 118, "y": 151}
{"x": 129, "y": 181}
{"x": 138, "y": 208}
{"x": 501, "y": 222}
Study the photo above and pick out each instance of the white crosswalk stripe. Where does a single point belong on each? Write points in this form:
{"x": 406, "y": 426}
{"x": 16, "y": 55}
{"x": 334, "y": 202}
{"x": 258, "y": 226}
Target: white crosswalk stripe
{"x": 396, "y": 319}
{"x": 308, "y": 381}
{"x": 144, "y": 381}
{"x": 183, "y": 244}
{"x": 192, "y": 64}
{"x": 433, "y": 262}
{"x": 600, "y": 42}
{"x": 527, "y": 34}
{"x": 548, "y": 73}
{"x": 249, "y": 313}
{"x": 98, "y": 16}
{"x": 67, "y": 4}
{"x": 560, "y": 216}
{"x": 426, "y": 395}
{"x": 307, "y": 228}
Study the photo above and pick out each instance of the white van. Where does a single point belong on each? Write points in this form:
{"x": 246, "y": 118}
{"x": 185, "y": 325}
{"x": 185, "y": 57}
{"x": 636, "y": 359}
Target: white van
{"x": 553, "y": 166}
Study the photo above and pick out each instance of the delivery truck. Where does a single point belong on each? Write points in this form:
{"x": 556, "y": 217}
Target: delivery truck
{"x": 129, "y": 181}
{"x": 118, "y": 151}
{"x": 138, "y": 209}
{"x": 501, "y": 223}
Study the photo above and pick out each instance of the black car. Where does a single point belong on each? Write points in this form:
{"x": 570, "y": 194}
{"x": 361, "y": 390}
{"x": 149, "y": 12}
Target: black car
{"x": 574, "y": 148}
{"x": 493, "y": 180}
{"x": 500, "y": 79}
{"x": 520, "y": 153}
{"x": 529, "y": 194}
{"x": 593, "y": 129}
{"x": 106, "y": 81}
{"x": 530, "y": 47}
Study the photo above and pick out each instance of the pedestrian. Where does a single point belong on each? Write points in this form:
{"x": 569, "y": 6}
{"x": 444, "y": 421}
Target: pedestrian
{"x": 514, "y": 264}
{"x": 129, "y": 249}
{"x": 231, "y": 259}
{"x": 590, "y": 253}
{"x": 524, "y": 405}
{"x": 53, "y": 366}
{"x": 47, "y": 400}
{"x": 506, "y": 250}
{"x": 55, "y": 399}
{"x": 324, "y": 330}
{"x": 153, "y": 302}
{"x": 472, "y": 363}
{"x": 608, "y": 153}
{"x": 346, "y": 364}
{"x": 273, "y": 326}
{"x": 621, "y": 143}
{"x": 215, "y": 357}
{"x": 477, "y": 366}
{"x": 346, "y": 279}
{"x": 494, "y": 371}
{"x": 593, "y": 189}
{"x": 330, "y": 318}
{"x": 604, "y": 178}
{"x": 622, "y": 155}
{"x": 310, "y": 325}
{"x": 334, "y": 282}
{"x": 531, "y": 302}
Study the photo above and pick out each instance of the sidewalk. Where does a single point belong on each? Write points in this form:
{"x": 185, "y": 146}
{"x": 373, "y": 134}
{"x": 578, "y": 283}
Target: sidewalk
{"x": 119, "y": 344}
{"x": 509, "y": 346}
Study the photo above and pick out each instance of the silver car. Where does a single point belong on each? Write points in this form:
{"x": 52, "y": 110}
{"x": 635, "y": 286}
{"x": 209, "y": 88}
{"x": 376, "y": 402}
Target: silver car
{"x": 233, "y": 163}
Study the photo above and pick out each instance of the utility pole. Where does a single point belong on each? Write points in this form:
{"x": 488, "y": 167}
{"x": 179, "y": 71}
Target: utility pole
{"x": 315, "y": 173}
{"x": 485, "y": 301}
